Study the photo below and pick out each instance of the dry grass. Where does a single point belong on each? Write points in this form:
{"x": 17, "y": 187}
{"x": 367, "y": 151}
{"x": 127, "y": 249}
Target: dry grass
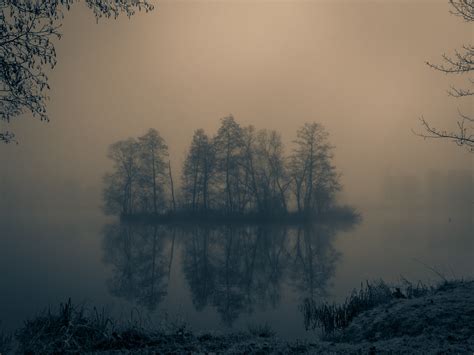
{"x": 6, "y": 341}
{"x": 261, "y": 330}
{"x": 331, "y": 317}
{"x": 75, "y": 329}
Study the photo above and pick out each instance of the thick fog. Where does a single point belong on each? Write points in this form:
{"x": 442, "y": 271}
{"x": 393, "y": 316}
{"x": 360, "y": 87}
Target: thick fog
{"x": 356, "y": 67}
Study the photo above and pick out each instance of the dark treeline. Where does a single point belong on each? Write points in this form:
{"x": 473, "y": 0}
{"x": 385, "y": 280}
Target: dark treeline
{"x": 241, "y": 171}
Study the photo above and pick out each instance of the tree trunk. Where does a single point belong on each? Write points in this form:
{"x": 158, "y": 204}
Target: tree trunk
{"x": 227, "y": 179}
{"x": 172, "y": 186}
{"x": 155, "y": 209}
{"x": 204, "y": 187}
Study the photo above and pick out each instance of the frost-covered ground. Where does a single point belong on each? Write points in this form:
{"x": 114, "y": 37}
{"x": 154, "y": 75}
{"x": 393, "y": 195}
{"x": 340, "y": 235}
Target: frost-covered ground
{"x": 441, "y": 321}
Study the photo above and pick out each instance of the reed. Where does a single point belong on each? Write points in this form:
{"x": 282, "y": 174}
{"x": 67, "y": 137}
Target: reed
{"x": 331, "y": 317}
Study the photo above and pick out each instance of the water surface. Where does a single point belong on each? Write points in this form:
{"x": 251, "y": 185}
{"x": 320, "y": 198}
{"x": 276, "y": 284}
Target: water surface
{"x": 220, "y": 277}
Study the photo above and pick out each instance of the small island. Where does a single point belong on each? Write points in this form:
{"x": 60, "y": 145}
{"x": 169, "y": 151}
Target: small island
{"x": 240, "y": 175}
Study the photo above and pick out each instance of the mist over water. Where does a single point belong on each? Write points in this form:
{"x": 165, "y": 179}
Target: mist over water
{"x": 222, "y": 278}
{"x": 272, "y": 65}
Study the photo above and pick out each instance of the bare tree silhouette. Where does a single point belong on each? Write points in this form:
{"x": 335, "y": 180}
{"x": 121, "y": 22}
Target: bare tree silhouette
{"x": 462, "y": 62}
{"x": 315, "y": 178}
{"x": 27, "y": 31}
{"x": 198, "y": 169}
{"x": 140, "y": 262}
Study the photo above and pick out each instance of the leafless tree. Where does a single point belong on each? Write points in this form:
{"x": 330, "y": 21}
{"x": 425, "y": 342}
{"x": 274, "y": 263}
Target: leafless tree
{"x": 462, "y": 62}
{"x": 250, "y": 196}
{"x": 273, "y": 179}
{"x": 153, "y": 169}
{"x": 311, "y": 168}
{"x": 27, "y": 31}
{"x": 197, "y": 172}
{"x": 228, "y": 144}
{"x": 141, "y": 175}
{"x": 121, "y": 185}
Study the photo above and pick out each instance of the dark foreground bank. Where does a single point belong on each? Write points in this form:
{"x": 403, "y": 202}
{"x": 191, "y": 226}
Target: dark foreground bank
{"x": 436, "y": 320}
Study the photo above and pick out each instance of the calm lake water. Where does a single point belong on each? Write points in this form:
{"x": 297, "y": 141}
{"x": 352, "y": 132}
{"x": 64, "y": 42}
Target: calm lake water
{"x": 220, "y": 278}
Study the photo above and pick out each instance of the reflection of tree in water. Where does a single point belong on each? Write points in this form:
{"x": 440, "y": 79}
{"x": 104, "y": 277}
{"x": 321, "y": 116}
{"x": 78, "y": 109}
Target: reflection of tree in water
{"x": 217, "y": 264}
{"x": 140, "y": 262}
{"x": 228, "y": 295}
{"x": 313, "y": 259}
{"x": 232, "y": 268}
{"x": 199, "y": 265}
{"x": 238, "y": 268}
{"x": 272, "y": 262}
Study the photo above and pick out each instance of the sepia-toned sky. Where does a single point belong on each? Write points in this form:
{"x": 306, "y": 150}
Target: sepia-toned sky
{"x": 357, "y": 67}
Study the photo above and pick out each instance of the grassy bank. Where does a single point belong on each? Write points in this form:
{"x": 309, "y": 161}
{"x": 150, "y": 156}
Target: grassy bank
{"x": 332, "y": 317}
{"x": 376, "y": 319}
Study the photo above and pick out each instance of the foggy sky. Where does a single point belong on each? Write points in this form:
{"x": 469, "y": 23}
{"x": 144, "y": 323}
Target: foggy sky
{"x": 357, "y": 67}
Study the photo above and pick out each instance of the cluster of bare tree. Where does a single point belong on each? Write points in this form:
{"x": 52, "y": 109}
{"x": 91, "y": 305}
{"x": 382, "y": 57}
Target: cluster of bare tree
{"x": 240, "y": 170}
{"x": 141, "y": 172}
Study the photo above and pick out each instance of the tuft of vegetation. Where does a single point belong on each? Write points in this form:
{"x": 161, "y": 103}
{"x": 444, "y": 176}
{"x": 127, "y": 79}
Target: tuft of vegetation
{"x": 261, "y": 330}
{"x": 333, "y": 317}
{"x": 6, "y": 341}
{"x": 74, "y": 329}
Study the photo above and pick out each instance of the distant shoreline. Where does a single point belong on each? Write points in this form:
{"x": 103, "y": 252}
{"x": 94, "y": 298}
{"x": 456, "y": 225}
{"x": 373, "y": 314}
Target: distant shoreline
{"x": 214, "y": 217}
